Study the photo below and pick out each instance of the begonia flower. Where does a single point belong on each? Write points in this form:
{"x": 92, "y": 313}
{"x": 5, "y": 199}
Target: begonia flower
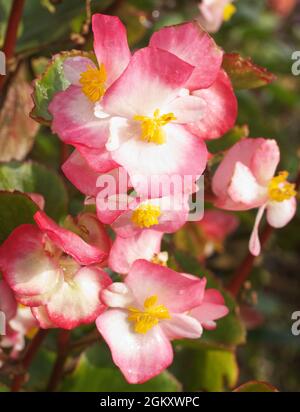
{"x": 55, "y": 271}
{"x": 153, "y": 136}
{"x": 216, "y": 225}
{"x": 212, "y": 308}
{"x": 91, "y": 182}
{"x": 8, "y": 304}
{"x": 19, "y": 322}
{"x": 245, "y": 180}
{"x": 151, "y": 130}
{"x": 22, "y": 326}
{"x": 145, "y": 245}
{"x": 75, "y": 109}
{"x": 38, "y": 199}
{"x": 208, "y": 82}
{"x": 129, "y": 215}
{"x": 153, "y": 306}
{"x": 214, "y": 12}
{"x": 148, "y": 113}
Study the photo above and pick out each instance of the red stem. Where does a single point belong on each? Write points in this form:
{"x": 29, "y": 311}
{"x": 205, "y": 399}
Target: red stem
{"x": 246, "y": 266}
{"x": 31, "y": 351}
{"x": 12, "y": 31}
{"x": 57, "y": 372}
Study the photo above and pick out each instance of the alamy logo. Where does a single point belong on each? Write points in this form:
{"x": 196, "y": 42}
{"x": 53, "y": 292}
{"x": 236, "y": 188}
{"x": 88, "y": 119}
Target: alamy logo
{"x": 296, "y": 324}
{"x": 2, "y": 323}
{"x": 296, "y": 65}
{"x": 172, "y": 193}
{"x": 2, "y": 63}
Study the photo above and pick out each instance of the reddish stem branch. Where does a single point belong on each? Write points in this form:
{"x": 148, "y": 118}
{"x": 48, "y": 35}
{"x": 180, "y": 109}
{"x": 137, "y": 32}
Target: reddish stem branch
{"x": 86, "y": 341}
{"x": 30, "y": 353}
{"x": 246, "y": 266}
{"x": 57, "y": 372}
{"x": 12, "y": 31}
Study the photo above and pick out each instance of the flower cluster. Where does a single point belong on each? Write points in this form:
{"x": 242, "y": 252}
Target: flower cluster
{"x": 138, "y": 121}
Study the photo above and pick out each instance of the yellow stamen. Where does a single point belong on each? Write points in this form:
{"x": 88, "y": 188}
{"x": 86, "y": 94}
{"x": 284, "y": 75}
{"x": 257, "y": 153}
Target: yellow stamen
{"x": 30, "y": 334}
{"x": 229, "y": 11}
{"x": 69, "y": 267}
{"x": 160, "y": 258}
{"x": 93, "y": 82}
{"x": 280, "y": 189}
{"x": 144, "y": 320}
{"x": 152, "y": 131}
{"x": 146, "y": 215}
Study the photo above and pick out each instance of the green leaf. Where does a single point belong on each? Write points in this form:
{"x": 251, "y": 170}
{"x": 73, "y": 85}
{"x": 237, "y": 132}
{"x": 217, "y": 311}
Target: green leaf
{"x": 15, "y": 209}
{"x": 52, "y": 81}
{"x": 133, "y": 17}
{"x": 244, "y": 74}
{"x": 4, "y": 388}
{"x": 30, "y": 177}
{"x": 47, "y": 149}
{"x": 228, "y": 140}
{"x": 45, "y": 26}
{"x": 209, "y": 369}
{"x": 256, "y": 386}
{"x": 40, "y": 370}
{"x": 96, "y": 372}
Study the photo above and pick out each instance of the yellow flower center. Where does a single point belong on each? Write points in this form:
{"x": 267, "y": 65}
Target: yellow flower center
{"x": 152, "y": 131}
{"x": 93, "y": 82}
{"x": 146, "y": 215}
{"x": 31, "y": 332}
{"x": 229, "y": 11}
{"x": 160, "y": 258}
{"x": 279, "y": 189}
{"x": 144, "y": 320}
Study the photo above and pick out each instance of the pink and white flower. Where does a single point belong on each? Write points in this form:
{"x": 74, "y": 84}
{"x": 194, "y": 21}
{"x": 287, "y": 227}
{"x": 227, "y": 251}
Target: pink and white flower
{"x": 153, "y": 136}
{"x": 75, "y": 110}
{"x": 150, "y": 130}
{"x": 209, "y": 82}
{"x": 216, "y": 225}
{"x": 38, "y": 199}
{"x": 212, "y": 308}
{"x": 19, "y": 322}
{"x": 214, "y": 12}
{"x": 129, "y": 215}
{"x": 148, "y": 111}
{"x": 55, "y": 271}
{"x": 145, "y": 245}
{"x": 22, "y": 326}
{"x": 8, "y": 304}
{"x": 153, "y": 306}
{"x": 245, "y": 180}
{"x": 91, "y": 182}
